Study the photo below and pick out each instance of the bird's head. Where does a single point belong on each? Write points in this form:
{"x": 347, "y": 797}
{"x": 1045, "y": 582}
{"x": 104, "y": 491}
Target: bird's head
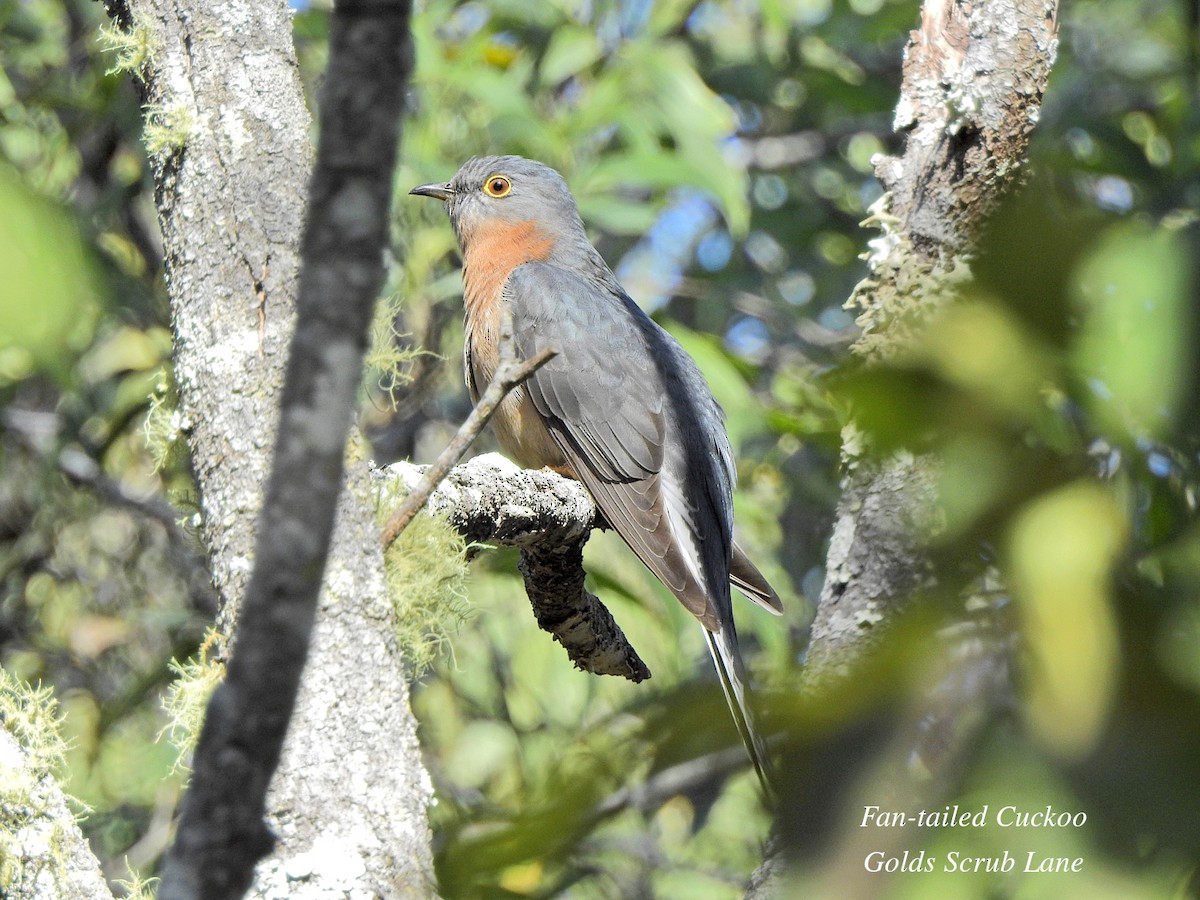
{"x": 499, "y": 192}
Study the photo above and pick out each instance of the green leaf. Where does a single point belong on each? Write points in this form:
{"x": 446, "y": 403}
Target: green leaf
{"x": 617, "y": 215}
{"x": 571, "y": 50}
{"x": 47, "y": 283}
{"x": 1133, "y": 290}
{"x": 1061, "y": 551}
{"x": 662, "y": 171}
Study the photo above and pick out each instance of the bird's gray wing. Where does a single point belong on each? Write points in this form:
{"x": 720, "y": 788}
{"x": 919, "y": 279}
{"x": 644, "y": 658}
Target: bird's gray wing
{"x": 638, "y": 426}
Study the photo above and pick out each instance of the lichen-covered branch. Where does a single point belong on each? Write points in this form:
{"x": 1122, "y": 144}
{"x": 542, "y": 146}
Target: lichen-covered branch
{"x": 974, "y": 73}
{"x": 553, "y": 573}
{"x": 42, "y": 851}
{"x": 490, "y": 500}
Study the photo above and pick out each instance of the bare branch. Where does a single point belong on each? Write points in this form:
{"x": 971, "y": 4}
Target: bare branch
{"x": 509, "y": 373}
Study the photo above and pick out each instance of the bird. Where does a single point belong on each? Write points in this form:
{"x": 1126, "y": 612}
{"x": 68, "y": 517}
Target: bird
{"x": 621, "y": 407}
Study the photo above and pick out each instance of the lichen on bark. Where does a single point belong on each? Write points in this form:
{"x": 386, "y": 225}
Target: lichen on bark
{"x": 43, "y": 853}
{"x": 230, "y": 200}
{"x": 973, "y": 80}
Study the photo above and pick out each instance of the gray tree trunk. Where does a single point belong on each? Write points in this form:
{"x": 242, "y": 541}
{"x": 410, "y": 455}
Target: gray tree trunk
{"x": 974, "y": 73}
{"x": 349, "y": 799}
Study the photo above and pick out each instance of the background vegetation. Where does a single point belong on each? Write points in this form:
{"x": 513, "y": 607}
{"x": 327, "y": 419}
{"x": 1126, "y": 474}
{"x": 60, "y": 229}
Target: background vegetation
{"x": 721, "y": 153}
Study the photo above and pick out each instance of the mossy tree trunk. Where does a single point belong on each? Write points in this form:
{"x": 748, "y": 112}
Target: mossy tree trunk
{"x": 348, "y": 801}
{"x": 974, "y": 74}
{"x": 42, "y": 851}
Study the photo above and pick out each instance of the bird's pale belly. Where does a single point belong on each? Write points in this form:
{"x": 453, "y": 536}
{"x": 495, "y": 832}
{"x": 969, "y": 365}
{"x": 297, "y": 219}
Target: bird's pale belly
{"x": 523, "y": 435}
{"x": 519, "y": 429}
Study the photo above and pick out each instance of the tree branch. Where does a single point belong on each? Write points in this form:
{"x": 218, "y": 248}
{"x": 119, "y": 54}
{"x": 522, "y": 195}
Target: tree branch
{"x": 973, "y": 81}
{"x": 39, "y": 432}
{"x": 490, "y": 500}
{"x": 42, "y": 851}
{"x": 974, "y": 74}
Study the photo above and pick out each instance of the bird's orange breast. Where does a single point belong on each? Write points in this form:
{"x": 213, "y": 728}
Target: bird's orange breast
{"x": 490, "y": 253}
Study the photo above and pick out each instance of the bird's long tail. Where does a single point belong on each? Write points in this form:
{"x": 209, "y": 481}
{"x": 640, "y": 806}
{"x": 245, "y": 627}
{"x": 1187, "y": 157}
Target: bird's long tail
{"x": 727, "y": 658}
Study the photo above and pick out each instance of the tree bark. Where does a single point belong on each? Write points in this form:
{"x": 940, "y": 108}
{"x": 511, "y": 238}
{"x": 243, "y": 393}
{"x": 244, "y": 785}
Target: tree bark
{"x": 974, "y": 74}
{"x": 42, "y": 851}
{"x": 348, "y": 801}
{"x": 228, "y": 200}
{"x": 491, "y": 500}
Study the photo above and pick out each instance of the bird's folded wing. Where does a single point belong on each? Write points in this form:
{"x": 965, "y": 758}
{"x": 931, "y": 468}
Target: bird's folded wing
{"x": 602, "y": 398}
{"x": 600, "y": 368}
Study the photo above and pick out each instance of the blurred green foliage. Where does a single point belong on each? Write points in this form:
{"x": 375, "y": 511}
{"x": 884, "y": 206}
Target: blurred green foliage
{"x": 94, "y": 597}
{"x": 42, "y": 257}
{"x": 721, "y": 153}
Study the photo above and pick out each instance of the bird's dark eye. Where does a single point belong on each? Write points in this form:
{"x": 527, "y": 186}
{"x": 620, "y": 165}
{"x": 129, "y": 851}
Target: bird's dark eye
{"x": 497, "y": 186}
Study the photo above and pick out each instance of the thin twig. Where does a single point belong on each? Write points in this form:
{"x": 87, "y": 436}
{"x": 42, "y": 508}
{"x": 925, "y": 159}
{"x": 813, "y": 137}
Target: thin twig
{"x": 682, "y": 778}
{"x": 509, "y": 374}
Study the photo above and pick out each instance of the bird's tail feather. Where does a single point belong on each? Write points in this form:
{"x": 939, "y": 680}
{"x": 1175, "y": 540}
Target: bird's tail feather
{"x": 744, "y": 576}
{"x": 728, "y": 661}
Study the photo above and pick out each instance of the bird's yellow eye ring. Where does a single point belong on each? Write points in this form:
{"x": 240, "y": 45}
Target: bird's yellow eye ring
{"x": 497, "y": 186}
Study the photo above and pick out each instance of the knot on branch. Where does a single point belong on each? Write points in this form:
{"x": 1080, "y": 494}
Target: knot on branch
{"x": 553, "y": 574}
{"x": 491, "y": 500}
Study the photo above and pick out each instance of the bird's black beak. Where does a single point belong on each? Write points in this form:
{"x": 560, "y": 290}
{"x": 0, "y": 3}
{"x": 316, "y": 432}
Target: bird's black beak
{"x": 442, "y": 191}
